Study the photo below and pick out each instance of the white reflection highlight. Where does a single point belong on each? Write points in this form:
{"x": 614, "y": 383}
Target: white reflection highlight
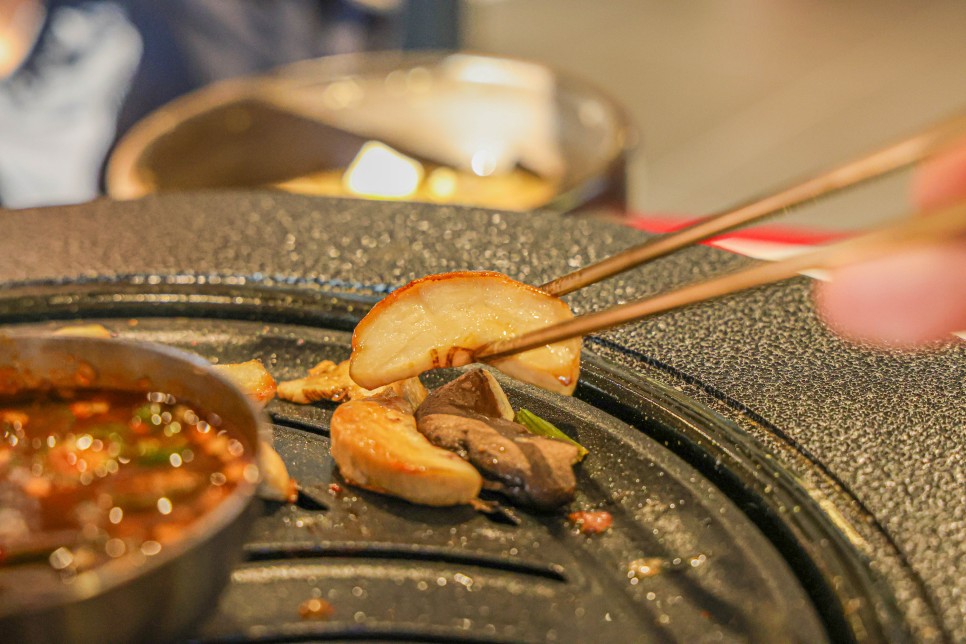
{"x": 378, "y": 171}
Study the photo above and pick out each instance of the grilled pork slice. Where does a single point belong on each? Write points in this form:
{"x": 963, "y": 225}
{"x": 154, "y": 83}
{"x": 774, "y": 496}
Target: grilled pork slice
{"x": 376, "y": 446}
{"x": 470, "y": 416}
{"x": 440, "y": 320}
{"x": 330, "y": 381}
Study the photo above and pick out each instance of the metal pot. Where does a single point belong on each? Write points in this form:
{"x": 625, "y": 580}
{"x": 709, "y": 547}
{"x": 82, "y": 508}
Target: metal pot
{"x": 311, "y": 116}
{"x": 162, "y": 597}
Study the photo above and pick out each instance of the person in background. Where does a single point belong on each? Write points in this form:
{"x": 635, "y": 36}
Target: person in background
{"x": 76, "y": 74}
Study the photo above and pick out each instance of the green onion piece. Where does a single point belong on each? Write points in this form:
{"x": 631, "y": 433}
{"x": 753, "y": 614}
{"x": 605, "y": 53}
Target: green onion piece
{"x": 144, "y": 412}
{"x": 540, "y": 427}
{"x": 111, "y": 430}
{"x": 151, "y": 454}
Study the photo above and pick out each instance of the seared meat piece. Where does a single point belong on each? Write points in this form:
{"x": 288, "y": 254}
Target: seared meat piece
{"x": 472, "y": 417}
{"x": 330, "y": 381}
{"x": 325, "y": 381}
{"x": 252, "y": 378}
{"x": 376, "y": 446}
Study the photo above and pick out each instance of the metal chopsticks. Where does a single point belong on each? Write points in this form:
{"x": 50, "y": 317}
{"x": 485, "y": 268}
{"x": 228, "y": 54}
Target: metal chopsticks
{"x": 893, "y": 157}
{"x": 914, "y": 230}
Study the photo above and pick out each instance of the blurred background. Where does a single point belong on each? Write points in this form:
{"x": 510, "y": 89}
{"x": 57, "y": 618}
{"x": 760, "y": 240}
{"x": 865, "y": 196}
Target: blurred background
{"x": 728, "y": 100}
{"x": 734, "y": 98}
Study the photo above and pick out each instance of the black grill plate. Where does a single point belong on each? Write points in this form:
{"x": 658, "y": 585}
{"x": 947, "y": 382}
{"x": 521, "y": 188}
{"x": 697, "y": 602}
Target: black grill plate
{"x": 395, "y": 571}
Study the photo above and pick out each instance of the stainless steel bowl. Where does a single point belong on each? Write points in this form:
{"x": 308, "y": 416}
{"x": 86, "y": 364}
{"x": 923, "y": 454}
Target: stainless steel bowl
{"x": 162, "y": 597}
{"x": 310, "y": 116}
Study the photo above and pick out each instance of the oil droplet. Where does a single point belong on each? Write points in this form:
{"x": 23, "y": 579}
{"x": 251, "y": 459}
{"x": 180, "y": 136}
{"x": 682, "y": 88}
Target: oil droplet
{"x": 645, "y": 567}
{"x": 115, "y": 548}
{"x": 61, "y": 558}
{"x": 235, "y": 448}
{"x": 315, "y": 608}
{"x": 150, "y": 548}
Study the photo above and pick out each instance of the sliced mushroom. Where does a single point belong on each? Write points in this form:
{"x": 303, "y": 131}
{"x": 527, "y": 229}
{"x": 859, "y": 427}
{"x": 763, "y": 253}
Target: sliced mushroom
{"x": 376, "y": 446}
{"x": 469, "y": 416}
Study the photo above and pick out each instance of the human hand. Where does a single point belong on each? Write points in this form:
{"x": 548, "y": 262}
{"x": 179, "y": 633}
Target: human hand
{"x": 914, "y": 297}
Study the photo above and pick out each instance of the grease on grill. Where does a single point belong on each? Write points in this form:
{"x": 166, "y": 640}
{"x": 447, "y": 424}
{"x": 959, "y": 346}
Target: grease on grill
{"x": 645, "y": 567}
{"x": 591, "y": 521}
{"x": 315, "y": 608}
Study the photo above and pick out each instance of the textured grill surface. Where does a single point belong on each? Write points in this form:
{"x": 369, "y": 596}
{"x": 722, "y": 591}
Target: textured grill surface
{"x": 877, "y": 435}
{"x": 393, "y": 570}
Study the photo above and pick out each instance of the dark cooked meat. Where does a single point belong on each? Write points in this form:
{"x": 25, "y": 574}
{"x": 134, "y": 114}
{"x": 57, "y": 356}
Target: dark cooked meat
{"x": 469, "y": 416}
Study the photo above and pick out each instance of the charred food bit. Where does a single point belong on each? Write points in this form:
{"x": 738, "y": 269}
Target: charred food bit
{"x": 591, "y": 521}
{"x": 276, "y": 485}
{"x": 376, "y": 446}
{"x": 316, "y": 608}
{"x": 330, "y": 381}
{"x": 646, "y": 567}
{"x": 252, "y": 378}
{"x": 470, "y": 416}
{"x": 440, "y": 320}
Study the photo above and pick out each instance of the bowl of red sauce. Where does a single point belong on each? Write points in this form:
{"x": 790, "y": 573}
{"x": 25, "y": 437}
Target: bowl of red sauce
{"x": 128, "y": 481}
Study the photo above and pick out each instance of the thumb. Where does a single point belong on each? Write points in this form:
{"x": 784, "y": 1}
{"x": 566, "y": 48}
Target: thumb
{"x": 914, "y": 297}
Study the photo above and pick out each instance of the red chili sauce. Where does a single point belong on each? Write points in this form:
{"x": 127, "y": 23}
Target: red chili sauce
{"x": 87, "y": 476}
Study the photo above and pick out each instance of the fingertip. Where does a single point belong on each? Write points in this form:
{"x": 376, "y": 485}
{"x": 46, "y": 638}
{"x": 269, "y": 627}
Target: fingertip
{"x": 901, "y": 301}
{"x": 941, "y": 181}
